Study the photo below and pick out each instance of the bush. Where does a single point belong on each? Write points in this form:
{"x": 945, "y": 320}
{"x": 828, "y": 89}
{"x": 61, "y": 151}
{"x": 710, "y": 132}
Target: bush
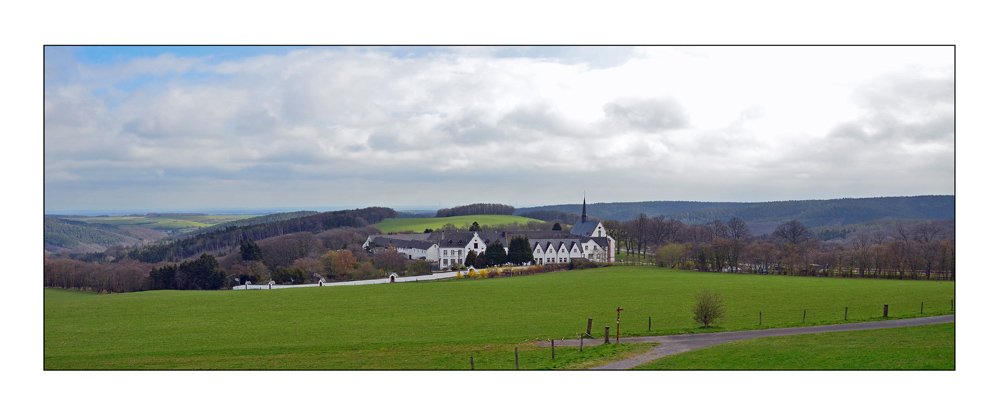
{"x": 708, "y": 308}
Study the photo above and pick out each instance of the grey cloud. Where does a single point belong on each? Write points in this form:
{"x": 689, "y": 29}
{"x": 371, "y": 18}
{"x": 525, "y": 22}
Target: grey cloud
{"x": 252, "y": 122}
{"x": 542, "y": 119}
{"x": 383, "y": 140}
{"x": 646, "y": 115}
{"x": 903, "y": 108}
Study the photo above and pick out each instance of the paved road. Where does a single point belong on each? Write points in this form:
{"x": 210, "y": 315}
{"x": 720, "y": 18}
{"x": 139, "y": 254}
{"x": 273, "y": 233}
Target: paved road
{"x": 668, "y": 345}
{"x": 416, "y": 278}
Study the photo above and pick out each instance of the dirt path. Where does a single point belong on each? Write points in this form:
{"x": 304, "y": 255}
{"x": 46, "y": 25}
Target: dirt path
{"x": 673, "y": 344}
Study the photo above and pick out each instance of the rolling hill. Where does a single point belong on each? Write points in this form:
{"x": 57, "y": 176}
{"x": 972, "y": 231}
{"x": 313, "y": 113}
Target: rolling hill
{"x": 812, "y": 213}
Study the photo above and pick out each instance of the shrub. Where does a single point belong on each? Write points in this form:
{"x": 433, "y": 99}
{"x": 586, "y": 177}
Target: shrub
{"x": 708, "y": 308}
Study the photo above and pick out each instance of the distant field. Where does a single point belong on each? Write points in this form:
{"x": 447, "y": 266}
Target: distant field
{"x": 440, "y": 325}
{"x": 166, "y": 223}
{"x": 930, "y": 347}
{"x": 461, "y": 222}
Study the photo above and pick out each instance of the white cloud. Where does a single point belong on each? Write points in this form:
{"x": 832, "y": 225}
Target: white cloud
{"x": 767, "y": 121}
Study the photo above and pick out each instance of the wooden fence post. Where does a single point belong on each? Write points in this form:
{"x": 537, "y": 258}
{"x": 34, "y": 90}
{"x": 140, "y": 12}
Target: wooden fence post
{"x": 590, "y": 322}
{"x": 885, "y": 310}
{"x": 553, "y": 348}
{"x": 803, "y": 316}
{"x": 517, "y": 364}
{"x": 921, "y": 307}
{"x": 845, "y": 313}
{"x": 650, "y": 324}
{"x": 760, "y": 318}
{"x": 607, "y": 334}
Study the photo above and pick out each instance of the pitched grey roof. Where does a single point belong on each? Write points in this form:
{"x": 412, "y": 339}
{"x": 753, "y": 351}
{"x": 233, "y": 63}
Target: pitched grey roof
{"x": 387, "y": 240}
{"x": 584, "y": 228}
{"x": 461, "y": 239}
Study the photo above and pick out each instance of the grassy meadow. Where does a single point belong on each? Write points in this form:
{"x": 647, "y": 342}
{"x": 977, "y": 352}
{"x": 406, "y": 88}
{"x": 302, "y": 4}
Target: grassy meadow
{"x": 930, "y": 347}
{"x": 440, "y": 325}
{"x": 461, "y": 222}
{"x": 166, "y": 223}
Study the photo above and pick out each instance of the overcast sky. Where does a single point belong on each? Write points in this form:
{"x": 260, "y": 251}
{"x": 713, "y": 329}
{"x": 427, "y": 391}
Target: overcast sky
{"x": 148, "y": 129}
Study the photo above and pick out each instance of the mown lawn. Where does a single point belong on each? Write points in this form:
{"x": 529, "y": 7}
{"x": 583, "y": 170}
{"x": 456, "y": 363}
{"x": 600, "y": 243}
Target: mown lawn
{"x": 461, "y": 222}
{"x": 439, "y": 325}
{"x": 930, "y": 347}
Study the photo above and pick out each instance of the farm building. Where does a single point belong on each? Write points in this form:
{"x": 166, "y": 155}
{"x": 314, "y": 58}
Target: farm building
{"x": 587, "y": 240}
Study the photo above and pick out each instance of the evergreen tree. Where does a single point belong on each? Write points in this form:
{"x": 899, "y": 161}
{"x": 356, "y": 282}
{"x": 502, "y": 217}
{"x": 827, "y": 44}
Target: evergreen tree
{"x": 470, "y": 259}
{"x": 556, "y": 227}
{"x": 495, "y": 254}
{"x": 480, "y": 260}
{"x": 520, "y": 250}
{"x": 201, "y": 274}
{"x": 249, "y": 251}
{"x": 163, "y": 278}
{"x": 475, "y": 227}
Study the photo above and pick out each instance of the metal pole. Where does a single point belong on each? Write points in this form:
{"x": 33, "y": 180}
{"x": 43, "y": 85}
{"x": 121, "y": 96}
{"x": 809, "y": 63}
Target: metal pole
{"x": 618, "y": 325}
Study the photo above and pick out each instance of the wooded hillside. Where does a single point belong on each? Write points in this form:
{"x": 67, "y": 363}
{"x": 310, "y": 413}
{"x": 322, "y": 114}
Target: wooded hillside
{"x": 476, "y": 209}
{"x": 224, "y": 240}
{"x": 812, "y": 213}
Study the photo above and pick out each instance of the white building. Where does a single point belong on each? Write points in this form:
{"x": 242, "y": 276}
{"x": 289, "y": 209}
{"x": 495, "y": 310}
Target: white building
{"x": 587, "y": 240}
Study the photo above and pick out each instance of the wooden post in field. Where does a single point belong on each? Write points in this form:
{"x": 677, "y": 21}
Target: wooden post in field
{"x": 885, "y": 310}
{"x": 607, "y": 334}
{"x": 472, "y": 362}
{"x": 590, "y": 322}
{"x": 650, "y": 324}
{"x": 921, "y": 307}
{"x": 845, "y": 313}
{"x": 553, "y": 348}
{"x": 803, "y": 316}
{"x": 517, "y": 364}
{"x": 760, "y": 318}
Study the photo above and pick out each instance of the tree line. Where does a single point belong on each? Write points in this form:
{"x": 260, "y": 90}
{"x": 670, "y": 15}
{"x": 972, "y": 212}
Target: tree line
{"x": 913, "y": 249}
{"x": 476, "y": 209}
{"x": 302, "y": 257}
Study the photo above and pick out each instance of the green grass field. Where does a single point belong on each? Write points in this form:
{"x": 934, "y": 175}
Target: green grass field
{"x": 440, "y": 325}
{"x": 461, "y": 222}
{"x": 930, "y": 347}
{"x": 166, "y": 223}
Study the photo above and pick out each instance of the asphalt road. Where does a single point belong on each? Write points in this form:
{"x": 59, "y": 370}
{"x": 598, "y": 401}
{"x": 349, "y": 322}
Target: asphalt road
{"x": 673, "y": 344}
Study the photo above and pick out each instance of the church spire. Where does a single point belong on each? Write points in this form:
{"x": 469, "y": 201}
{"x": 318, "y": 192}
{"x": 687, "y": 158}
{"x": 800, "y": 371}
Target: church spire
{"x": 584, "y": 218}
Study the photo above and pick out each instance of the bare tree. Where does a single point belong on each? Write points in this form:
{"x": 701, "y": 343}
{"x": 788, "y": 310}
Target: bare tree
{"x": 708, "y": 308}
{"x": 793, "y": 232}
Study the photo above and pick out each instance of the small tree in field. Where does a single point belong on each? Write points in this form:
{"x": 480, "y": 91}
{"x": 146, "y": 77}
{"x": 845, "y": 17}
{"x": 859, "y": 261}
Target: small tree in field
{"x": 708, "y": 308}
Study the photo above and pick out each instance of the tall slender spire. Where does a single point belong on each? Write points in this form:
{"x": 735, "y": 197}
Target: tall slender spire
{"x": 584, "y": 218}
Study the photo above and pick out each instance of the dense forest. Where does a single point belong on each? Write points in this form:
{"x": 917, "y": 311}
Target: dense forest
{"x": 812, "y": 213}
{"x": 476, "y": 209}
{"x": 256, "y": 220}
{"x": 66, "y": 235}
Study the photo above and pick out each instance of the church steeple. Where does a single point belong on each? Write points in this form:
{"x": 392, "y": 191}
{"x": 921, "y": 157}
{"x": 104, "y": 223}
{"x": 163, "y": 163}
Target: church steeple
{"x": 584, "y": 218}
